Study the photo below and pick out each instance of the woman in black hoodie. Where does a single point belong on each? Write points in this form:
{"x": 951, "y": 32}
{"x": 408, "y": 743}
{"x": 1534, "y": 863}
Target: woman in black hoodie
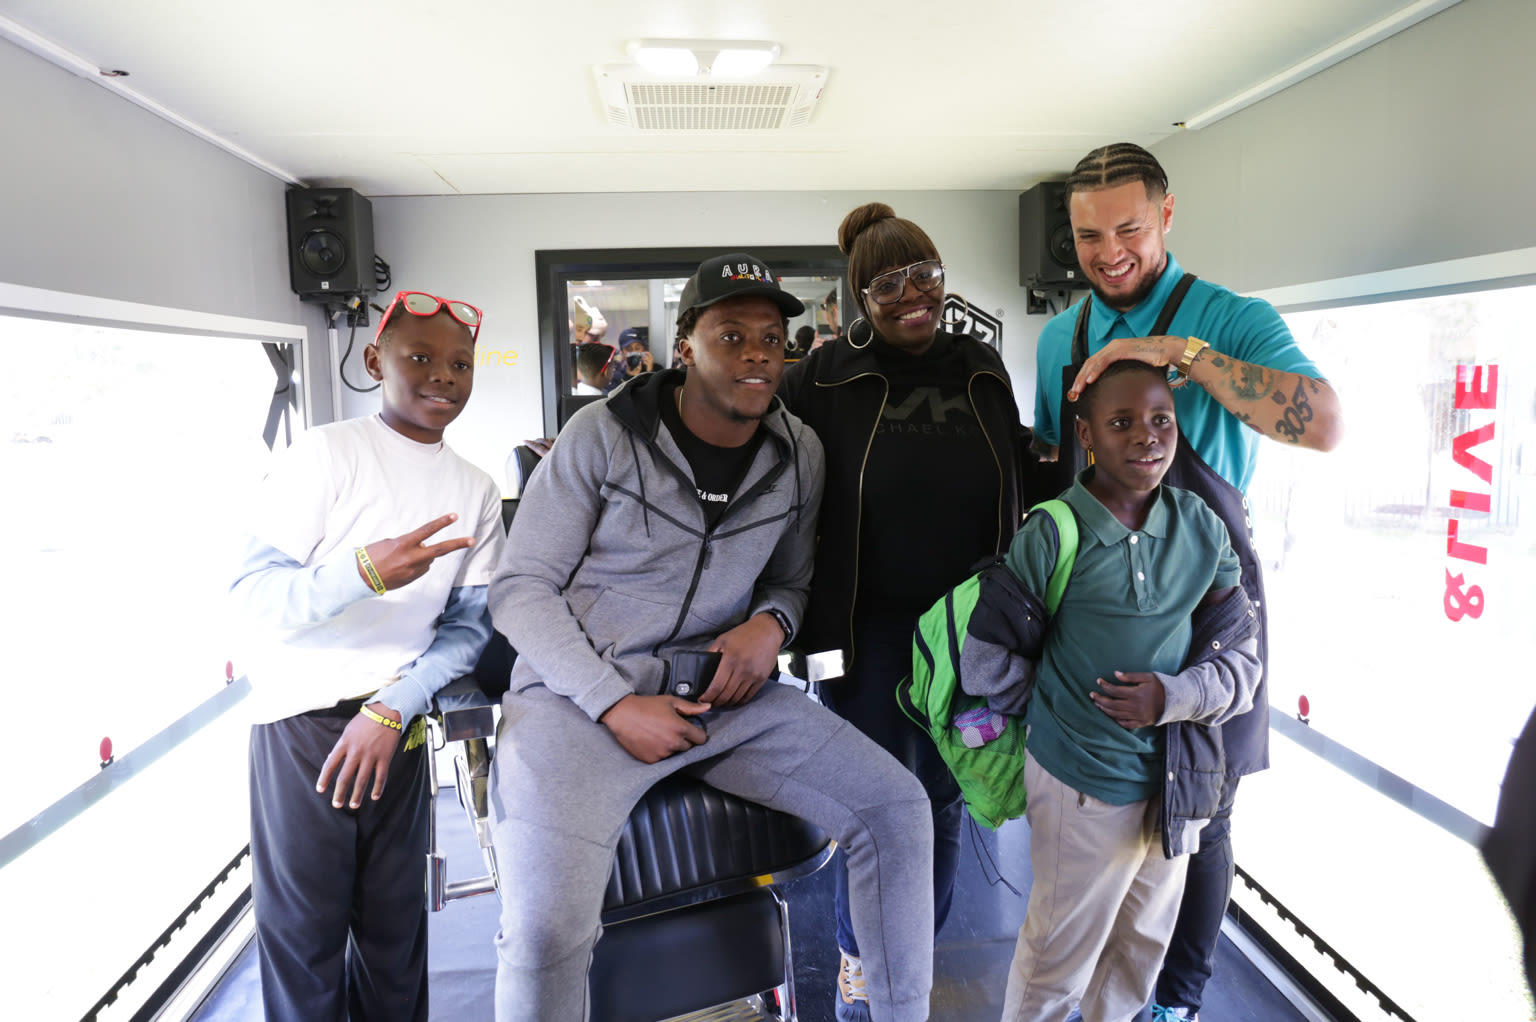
{"x": 927, "y": 467}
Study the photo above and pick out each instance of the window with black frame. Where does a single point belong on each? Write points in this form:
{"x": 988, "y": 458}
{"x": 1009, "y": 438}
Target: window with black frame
{"x": 607, "y": 316}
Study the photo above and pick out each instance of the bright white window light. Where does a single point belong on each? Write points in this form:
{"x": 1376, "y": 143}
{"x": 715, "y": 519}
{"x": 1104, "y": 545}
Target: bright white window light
{"x": 667, "y": 60}
{"x": 735, "y": 58}
{"x": 742, "y": 63}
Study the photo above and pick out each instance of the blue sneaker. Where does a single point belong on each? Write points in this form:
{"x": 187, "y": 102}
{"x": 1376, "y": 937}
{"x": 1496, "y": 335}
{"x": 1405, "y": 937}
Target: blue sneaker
{"x": 852, "y": 1004}
{"x": 1162, "y": 1014}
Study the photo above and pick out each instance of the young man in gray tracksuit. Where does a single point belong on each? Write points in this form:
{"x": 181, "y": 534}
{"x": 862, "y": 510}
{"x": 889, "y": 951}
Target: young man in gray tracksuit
{"x": 680, "y": 514}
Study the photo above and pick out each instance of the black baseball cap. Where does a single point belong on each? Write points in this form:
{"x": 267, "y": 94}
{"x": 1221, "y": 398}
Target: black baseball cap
{"x": 736, "y": 275}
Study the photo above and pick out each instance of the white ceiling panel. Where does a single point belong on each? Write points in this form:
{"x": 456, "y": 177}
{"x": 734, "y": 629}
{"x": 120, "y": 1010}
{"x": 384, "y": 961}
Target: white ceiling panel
{"x": 474, "y": 96}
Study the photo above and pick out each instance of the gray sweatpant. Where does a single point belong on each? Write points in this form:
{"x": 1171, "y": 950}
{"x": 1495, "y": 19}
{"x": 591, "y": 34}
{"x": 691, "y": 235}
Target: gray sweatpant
{"x": 563, "y": 787}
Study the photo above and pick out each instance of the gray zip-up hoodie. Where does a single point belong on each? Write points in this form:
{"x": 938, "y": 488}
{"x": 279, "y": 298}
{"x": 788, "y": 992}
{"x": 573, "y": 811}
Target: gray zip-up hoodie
{"x": 609, "y": 567}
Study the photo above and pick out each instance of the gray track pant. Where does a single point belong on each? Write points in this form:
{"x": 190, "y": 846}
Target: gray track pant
{"x": 563, "y": 787}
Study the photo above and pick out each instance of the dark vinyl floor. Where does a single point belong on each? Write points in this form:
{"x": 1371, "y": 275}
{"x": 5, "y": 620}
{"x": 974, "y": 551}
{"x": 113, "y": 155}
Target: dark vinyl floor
{"x": 971, "y": 959}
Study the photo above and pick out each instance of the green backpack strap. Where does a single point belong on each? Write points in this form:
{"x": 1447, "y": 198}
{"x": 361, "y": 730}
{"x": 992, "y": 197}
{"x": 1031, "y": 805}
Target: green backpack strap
{"x": 1066, "y": 550}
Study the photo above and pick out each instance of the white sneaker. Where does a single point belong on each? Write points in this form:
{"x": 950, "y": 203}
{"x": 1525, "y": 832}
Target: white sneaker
{"x": 852, "y": 1004}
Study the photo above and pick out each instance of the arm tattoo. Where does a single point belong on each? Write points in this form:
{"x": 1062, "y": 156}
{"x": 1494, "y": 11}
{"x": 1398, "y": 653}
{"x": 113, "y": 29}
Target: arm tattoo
{"x": 1253, "y": 384}
{"x": 1294, "y": 423}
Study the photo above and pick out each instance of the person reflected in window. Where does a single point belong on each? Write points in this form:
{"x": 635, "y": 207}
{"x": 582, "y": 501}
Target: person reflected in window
{"x": 800, "y": 345}
{"x": 633, "y": 357}
{"x": 926, "y": 464}
{"x": 829, "y": 314}
{"x": 586, "y": 326}
{"x": 587, "y": 323}
{"x": 592, "y": 369}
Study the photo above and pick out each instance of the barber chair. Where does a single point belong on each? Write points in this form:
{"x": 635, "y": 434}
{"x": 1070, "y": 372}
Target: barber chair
{"x": 526, "y": 460}
{"x": 694, "y": 923}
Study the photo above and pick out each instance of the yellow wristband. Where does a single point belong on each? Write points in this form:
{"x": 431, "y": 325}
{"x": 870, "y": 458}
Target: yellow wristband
{"x": 369, "y": 570}
{"x": 379, "y": 718}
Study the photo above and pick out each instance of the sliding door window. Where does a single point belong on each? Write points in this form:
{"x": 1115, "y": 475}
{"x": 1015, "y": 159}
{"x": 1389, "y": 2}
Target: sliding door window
{"x": 1399, "y": 575}
{"x": 128, "y": 456}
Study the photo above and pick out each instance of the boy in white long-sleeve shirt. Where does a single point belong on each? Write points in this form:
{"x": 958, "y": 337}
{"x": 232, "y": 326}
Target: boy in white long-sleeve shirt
{"x": 358, "y": 614}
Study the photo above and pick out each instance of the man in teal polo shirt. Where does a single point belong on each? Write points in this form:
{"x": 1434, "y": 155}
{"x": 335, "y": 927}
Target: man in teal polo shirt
{"x": 1244, "y": 377}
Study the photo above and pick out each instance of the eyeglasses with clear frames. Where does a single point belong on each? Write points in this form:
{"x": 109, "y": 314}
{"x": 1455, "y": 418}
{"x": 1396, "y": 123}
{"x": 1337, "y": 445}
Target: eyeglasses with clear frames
{"x": 889, "y": 287}
{"x": 419, "y": 303}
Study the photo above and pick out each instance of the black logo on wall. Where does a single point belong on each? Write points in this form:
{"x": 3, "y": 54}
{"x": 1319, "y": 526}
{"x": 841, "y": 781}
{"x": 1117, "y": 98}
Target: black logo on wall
{"x": 962, "y": 319}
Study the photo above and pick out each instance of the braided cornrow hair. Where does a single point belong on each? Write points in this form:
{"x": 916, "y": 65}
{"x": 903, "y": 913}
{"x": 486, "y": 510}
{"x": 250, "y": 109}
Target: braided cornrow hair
{"x": 1116, "y": 164}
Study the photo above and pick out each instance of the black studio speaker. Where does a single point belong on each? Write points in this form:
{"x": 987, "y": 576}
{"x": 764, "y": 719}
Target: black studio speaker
{"x": 330, "y": 243}
{"x": 1047, "y": 256}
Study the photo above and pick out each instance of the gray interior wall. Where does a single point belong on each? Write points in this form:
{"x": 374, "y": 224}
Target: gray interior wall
{"x": 481, "y": 249}
{"x": 99, "y": 197}
{"x": 1414, "y": 151}
{"x": 1405, "y": 154}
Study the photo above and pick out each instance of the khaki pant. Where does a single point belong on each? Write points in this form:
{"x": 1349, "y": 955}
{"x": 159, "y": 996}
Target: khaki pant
{"x": 1101, "y": 909}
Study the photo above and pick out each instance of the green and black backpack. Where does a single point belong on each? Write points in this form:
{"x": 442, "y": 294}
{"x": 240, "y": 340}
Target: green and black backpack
{"x": 990, "y": 774}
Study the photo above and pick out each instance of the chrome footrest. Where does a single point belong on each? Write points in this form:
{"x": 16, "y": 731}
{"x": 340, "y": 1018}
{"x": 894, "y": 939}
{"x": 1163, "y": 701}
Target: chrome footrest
{"x": 750, "y": 1010}
{"x": 472, "y": 784}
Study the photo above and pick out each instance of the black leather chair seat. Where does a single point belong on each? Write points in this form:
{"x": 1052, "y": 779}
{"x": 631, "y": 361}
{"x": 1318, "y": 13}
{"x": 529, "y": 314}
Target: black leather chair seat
{"x": 686, "y": 838}
{"x": 692, "y": 916}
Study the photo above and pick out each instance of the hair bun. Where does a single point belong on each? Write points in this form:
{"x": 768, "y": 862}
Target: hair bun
{"x": 860, "y": 220}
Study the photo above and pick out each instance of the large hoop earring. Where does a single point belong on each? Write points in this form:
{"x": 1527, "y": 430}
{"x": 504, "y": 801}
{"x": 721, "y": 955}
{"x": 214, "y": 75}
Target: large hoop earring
{"x": 963, "y": 316}
{"x": 855, "y": 323}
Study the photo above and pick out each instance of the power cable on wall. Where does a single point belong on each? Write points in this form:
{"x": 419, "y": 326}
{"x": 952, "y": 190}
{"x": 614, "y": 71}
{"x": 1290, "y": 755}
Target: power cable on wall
{"x": 357, "y": 312}
{"x": 341, "y": 365}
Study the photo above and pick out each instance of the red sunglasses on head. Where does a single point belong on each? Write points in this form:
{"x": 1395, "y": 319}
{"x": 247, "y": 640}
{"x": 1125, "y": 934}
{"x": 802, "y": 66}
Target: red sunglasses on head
{"x": 419, "y": 303}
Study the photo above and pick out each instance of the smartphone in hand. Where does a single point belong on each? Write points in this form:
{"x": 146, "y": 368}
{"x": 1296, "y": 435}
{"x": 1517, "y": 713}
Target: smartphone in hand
{"x": 692, "y": 671}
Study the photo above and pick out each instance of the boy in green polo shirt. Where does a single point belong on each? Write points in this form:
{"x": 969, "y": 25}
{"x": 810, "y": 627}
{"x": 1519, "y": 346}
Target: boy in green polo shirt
{"x": 1121, "y": 710}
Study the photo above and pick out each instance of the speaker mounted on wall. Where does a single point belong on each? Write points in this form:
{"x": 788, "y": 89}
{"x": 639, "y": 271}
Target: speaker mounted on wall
{"x": 1047, "y": 254}
{"x": 330, "y": 243}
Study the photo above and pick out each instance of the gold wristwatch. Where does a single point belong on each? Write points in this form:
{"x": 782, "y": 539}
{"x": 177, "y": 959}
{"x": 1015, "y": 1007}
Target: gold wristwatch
{"x": 1192, "y": 351}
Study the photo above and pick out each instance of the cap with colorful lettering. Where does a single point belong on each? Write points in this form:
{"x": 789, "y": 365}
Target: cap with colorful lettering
{"x": 736, "y": 275}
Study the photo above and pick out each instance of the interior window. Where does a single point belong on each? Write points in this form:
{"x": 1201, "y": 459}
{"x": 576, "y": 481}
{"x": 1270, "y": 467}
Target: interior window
{"x": 1398, "y": 575}
{"x": 127, "y": 455}
{"x": 621, "y": 305}
{"x": 620, "y": 329}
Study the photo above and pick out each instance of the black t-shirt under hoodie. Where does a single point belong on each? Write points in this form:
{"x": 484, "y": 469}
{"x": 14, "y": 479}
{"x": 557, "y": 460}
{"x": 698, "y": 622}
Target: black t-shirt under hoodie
{"x": 717, "y": 471}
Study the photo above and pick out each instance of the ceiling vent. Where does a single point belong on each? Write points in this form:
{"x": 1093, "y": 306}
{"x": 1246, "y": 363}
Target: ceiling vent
{"x": 780, "y": 97}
